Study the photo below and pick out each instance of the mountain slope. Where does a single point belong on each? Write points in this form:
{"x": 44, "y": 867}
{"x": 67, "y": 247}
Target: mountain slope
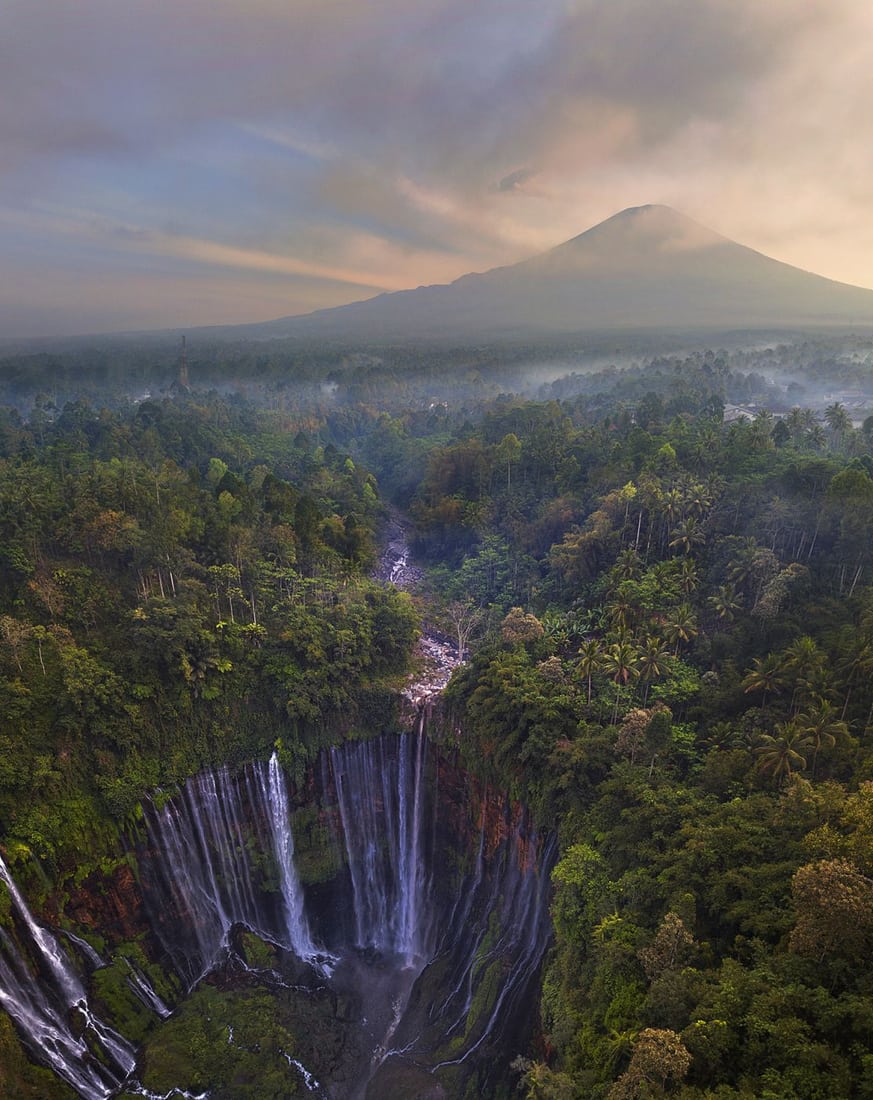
{"x": 647, "y": 267}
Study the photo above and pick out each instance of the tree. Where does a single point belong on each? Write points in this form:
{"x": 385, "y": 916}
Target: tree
{"x": 766, "y": 675}
{"x": 725, "y": 603}
{"x": 508, "y": 451}
{"x": 834, "y": 904}
{"x": 804, "y": 662}
{"x": 590, "y": 660}
{"x": 653, "y": 662}
{"x": 621, "y": 664}
{"x": 838, "y": 422}
{"x": 782, "y": 753}
{"x": 669, "y": 950}
{"x": 521, "y": 626}
{"x": 821, "y": 724}
{"x": 465, "y": 617}
{"x": 687, "y": 535}
{"x": 681, "y": 626}
{"x": 659, "y": 1056}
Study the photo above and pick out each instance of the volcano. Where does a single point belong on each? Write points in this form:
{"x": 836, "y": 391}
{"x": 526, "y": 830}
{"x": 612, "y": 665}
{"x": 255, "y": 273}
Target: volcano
{"x": 648, "y": 267}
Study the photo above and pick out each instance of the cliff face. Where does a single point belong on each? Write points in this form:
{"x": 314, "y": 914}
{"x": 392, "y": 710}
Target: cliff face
{"x": 404, "y": 901}
{"x": 110, "y": 906}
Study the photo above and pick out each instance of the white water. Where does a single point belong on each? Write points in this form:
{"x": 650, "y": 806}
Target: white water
{"x": 202, "y": 862}
{"x": 222, "y": 853}
{"x": 41, "y": 1008}
{"x": 299, "y": 938}
{"x": 380, "y": 799}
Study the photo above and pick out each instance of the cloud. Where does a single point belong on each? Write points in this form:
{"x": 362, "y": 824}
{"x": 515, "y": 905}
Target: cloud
{"x": 515, "y": 180}
{"x": 386, "y": 143}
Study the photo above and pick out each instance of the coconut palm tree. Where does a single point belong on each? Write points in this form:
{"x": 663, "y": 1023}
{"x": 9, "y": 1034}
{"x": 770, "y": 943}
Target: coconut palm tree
{"x": 688, "y": 576}
{"x": 725, "y": 603}
{"x": 822, "y": 726}
{"x": 766, "y": 675}
{"x": 681, "y": 626}
{"x": 652, "y": 662}
{"x": 621, "y": 664}
{"x": 804, "y": 662}
{"x": 590, "y": 661}
{"x": 783, "y": 752}
{"x": 686, "y": 535}
{"x": 839, "y": 424}
{"x": 859, "y": 658}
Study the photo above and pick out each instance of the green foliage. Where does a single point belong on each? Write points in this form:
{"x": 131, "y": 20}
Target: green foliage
{"x": 231, "y": 1044}
{"x": 179, "y": 602}
{"x": 671, "y": 665}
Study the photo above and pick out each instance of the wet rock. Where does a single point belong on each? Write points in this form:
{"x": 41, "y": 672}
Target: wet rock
{"x": 438, "y": 657}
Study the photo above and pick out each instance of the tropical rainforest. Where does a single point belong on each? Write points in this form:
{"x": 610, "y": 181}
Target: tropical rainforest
{"x": 668, "y": 619}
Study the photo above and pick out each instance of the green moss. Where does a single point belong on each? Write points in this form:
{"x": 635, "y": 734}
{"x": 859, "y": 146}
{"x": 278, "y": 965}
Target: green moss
{"x": 19, "y": 1077}
{"x": 315, "y": 853}
{"x": 487, "y": 990}
{"x": 256, "y": 952}
{"x": 228, "y": 1042}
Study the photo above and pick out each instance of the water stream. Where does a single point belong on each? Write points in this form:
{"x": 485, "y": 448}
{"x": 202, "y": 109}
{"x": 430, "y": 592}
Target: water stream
{"x": 425, "y": 931}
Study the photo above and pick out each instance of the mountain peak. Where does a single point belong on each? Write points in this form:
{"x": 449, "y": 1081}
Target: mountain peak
{"x": 639, "y": 231}
{"x": 646, "y": 267}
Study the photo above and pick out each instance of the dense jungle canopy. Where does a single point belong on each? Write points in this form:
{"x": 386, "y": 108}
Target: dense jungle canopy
{"x": 670, "y": 620}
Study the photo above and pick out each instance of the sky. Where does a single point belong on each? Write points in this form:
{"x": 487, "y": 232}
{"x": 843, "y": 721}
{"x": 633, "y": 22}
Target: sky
{"x": 175, "y": 163}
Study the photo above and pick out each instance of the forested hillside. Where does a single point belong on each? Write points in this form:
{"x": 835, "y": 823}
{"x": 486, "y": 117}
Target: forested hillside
{"x": 670, "y": 622}
{"x": 677, "y": 675}
{"x": 184, "y": 583}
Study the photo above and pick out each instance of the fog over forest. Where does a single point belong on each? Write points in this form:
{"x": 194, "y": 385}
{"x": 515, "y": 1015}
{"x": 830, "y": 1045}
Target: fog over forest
{"x": 575, "y": 628}
{"x": 436, "y": 550}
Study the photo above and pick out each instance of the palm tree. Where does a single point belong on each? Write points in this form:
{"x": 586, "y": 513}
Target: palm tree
{"x": 761, "y": 432}
{"x": 766, "y": 675}
{"x": 804, "y": 661}
{"x": 687, "y": 534}
{"x": 822, "y": 726}
{"x": 627, "y": 565}
{"x": 688, "y": 576}
{"x": 681, "y": 626}
{"x": 725, "y": 603}
{"x": 783, "y": 752}
{"x": 858, "y": 659}
{"x": 741, "y": 571}
{"x": 621, "y": 665}
{"x": 800, "y": 422}
{"x": 671, "y": 508}
{"x": 653, "y": 662}
{"x": 837, "y": 420}
{"x": 590, "y": 657}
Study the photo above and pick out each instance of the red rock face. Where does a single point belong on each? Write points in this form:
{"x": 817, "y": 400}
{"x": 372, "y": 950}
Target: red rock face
{"x": 468, "y": 807}
{"x": 112, "y": 906}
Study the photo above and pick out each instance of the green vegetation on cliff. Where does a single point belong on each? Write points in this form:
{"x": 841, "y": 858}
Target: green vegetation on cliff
{"x": 183, "y": 583}
{"x": 676, "y": 675}
{"x": 671, "y": 619}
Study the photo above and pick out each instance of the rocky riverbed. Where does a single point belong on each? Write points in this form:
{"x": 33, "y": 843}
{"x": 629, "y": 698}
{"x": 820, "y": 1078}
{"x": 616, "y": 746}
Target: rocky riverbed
{"x": 437, "y": 656}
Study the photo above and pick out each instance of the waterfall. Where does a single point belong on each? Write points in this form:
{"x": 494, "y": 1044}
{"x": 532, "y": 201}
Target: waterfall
{"x": 42, "y": 1008}
{"x": 381, "y": 798}
{"x": 206, "y": 858}
{"x": 283, "y": 846}
{"x": 429, "y": 926}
